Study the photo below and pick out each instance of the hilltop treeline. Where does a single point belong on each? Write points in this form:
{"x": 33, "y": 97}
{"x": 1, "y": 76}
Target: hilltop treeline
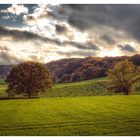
{"x": 78, "y": 69}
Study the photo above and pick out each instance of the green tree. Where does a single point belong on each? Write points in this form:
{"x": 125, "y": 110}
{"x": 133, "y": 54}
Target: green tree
{"x": 28, "y": 78}
{"x": 123, "y": 77}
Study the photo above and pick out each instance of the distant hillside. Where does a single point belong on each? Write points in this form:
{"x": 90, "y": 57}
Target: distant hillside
{"x": 78, "y": 69}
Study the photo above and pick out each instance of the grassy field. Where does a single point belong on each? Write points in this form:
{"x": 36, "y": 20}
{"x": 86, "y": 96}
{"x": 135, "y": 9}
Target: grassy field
{"x": 85, "y": 114}
{"x": 96, "y": 115}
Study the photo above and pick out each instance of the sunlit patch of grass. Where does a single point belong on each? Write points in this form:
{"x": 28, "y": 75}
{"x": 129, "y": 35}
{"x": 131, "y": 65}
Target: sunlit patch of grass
{"x": 96, "y": 115}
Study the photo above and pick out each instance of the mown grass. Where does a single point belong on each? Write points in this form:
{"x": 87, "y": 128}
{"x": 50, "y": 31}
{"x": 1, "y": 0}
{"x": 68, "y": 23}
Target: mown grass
{"x": 97, "y": 115}
{"x": 73, "y": 116}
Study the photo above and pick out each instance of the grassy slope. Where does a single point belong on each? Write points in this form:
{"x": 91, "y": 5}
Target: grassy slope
{"x": 98, "y": 115}
{"x": 84, "y": 88}
{"x": 2, "y": 89}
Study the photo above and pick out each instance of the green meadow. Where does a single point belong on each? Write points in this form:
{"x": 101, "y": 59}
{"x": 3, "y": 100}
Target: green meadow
{"x": 93, "y": 87}
{"x": 72, "y": 109}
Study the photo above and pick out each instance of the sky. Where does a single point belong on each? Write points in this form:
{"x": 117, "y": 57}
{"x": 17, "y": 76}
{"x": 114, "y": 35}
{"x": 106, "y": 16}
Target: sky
{"x": 48, "y": 32}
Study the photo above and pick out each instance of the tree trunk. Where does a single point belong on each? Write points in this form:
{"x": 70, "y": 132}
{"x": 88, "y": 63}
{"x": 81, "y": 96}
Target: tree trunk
{"x": 126, "y": 93}
{"x": 29, "y": 93}
{"x": 29, "y": 96}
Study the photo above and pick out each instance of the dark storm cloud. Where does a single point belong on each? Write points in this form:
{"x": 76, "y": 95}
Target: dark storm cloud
{"x": 84, "y": 16}
{"x": 19, "y": 35}
{"x": 77, "y": 23}
{"x": 94, "y": 47}
{"x": 127, "y": 47}
{"x": 108, "y": 39}
{"x": 83, "y": 46}
{"x": 60, "y": 28}
{"x": 120, "y": 17}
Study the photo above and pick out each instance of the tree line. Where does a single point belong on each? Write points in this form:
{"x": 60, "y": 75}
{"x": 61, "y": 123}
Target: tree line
{"x": 78, "y": 69}
{"x": 31, "y": 78}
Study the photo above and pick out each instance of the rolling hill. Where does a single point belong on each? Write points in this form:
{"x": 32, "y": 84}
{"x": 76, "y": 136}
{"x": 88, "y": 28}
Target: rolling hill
{"x": 78, "y": 69}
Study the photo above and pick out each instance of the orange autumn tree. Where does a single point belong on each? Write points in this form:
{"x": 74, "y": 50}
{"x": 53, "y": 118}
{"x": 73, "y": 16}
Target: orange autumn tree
{"x": 28, "y": 78}
{"x": 123, "y": 77}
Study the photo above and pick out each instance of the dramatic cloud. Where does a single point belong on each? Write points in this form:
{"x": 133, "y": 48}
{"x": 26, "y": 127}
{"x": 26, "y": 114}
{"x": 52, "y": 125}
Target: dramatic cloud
{"x": 108, "y": 39}
{"x": 20, "y": 35}
{"x": 41, "y": 12}
{"x": 50, "y": 32}
{"x": 127, "y": 48}
{"x": 120, "y": 17}
{"x": 87, "y": 46}
{"x": 16, "y": 9}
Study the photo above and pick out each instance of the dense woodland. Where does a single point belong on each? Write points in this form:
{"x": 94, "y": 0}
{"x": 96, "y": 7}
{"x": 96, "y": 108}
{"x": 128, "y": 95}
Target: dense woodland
{"x": 75, "y": 69}
{"x": 78, "y": 69}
